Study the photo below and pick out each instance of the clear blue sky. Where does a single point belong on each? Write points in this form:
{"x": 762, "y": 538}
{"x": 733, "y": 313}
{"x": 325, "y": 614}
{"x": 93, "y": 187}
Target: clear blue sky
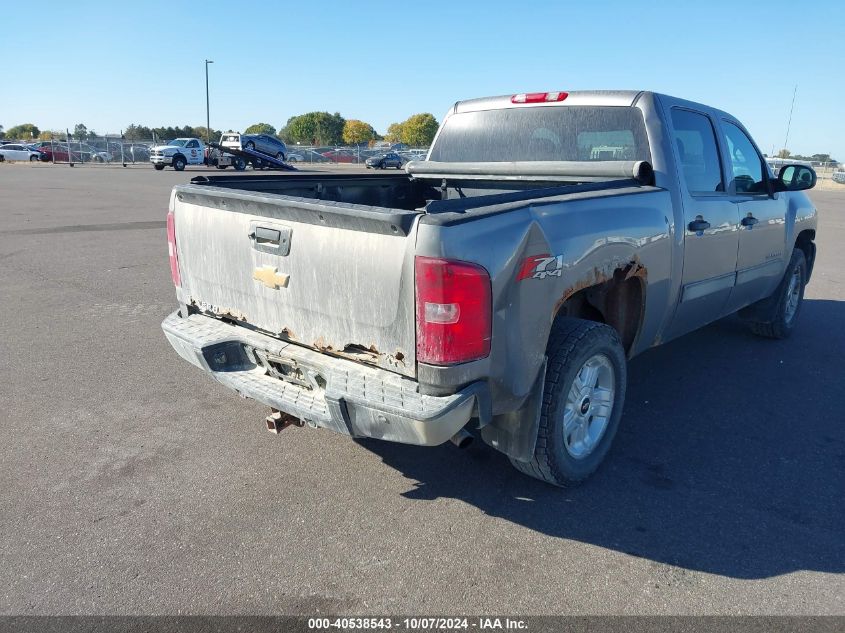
{"x": 109, "y": 64}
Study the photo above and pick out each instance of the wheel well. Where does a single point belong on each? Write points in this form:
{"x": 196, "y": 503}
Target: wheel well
{"x": 804, "y": 241}
{"x": 617, "y": 300}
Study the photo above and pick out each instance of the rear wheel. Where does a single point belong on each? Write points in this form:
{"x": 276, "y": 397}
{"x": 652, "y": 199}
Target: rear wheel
{"x": 250, "y": 146}
{"x": 280, "y": 156}
{"x": 178, "y": 163}
{"x": 776, "y": 316}
{"x": 583, "y": 395}
{"x": 239, "y": 163}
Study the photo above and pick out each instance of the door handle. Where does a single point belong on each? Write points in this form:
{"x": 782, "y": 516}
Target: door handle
{"x": 749, "y": 221}
{"x": 699, "y": 224}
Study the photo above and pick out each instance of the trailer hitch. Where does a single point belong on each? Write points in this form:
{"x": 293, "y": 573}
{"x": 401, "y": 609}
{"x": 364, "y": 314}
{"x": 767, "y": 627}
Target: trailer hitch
{"x": 278, "y": 421}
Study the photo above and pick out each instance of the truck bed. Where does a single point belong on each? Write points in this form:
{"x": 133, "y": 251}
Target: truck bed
{"x": 327, "y": 261}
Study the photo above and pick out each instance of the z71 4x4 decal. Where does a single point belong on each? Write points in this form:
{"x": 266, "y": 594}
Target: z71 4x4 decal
{"x": 541, "y": 266}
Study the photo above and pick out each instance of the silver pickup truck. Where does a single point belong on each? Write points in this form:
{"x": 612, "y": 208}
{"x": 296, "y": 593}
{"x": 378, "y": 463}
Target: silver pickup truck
{"x": 497, "y": 287}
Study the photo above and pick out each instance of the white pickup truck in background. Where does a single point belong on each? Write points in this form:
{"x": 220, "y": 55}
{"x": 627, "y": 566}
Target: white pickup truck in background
{"x": 178, "y": 153}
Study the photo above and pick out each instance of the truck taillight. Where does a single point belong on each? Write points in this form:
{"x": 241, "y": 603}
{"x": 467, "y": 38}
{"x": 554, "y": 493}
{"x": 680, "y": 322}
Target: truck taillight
{"x": 171, "y": 249}
{"x": 454, "y": 311}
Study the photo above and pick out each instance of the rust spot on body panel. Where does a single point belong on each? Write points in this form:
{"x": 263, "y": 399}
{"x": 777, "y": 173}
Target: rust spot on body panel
{"x": 612, "y": 293}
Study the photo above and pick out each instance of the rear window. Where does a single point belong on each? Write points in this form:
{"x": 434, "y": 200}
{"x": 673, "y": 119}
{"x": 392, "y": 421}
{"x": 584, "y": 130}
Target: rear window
{"x": 555, "y": 133}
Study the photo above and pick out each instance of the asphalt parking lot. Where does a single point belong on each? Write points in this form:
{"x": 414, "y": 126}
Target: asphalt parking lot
{"x": 133, "y": 484}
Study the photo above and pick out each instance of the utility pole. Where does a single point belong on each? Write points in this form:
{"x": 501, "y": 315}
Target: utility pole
{"x": 207, "y": 108}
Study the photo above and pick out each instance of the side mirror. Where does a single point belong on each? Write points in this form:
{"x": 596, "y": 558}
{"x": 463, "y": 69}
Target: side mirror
{"x": 795, "y": 178}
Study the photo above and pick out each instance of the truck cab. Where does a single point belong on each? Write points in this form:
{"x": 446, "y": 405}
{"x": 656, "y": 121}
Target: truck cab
{"x": 178, "y": 153}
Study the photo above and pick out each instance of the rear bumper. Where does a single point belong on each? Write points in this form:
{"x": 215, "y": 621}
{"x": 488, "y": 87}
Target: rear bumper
{"x": 334, "y": 393}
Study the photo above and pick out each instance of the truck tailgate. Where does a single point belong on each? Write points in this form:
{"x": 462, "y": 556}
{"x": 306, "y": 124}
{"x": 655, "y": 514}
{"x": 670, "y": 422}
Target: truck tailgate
{"x": 331, "y": 276}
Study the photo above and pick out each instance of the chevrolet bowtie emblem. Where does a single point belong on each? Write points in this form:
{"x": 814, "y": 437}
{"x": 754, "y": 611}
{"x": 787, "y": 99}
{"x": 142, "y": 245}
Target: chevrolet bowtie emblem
{"x": 270, "y": 277}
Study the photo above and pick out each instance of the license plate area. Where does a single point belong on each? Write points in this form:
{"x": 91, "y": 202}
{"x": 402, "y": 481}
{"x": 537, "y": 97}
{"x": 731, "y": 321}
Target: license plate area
{"x": 288, "y": 369}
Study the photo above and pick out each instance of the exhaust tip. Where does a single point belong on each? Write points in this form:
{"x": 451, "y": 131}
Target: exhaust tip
{"x": 461, "y": 439}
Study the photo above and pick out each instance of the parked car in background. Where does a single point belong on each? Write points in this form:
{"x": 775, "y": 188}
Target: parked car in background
{"x": 90, "y": 154}
{"x": 294, "y": 157}
{"x": 383, "y": 161}
{"x": 312, "y": 156}
{"x": 839, "y": 176}
{"x": 263, "y": 143}
{"x": 415, "y": 154}
{"x": 14, "y": 151}
{"x": 136, "y": 152}
{"x": 339, "y": 156}
{"x": 52, "y": 151}
{"x": 58, "y": 153}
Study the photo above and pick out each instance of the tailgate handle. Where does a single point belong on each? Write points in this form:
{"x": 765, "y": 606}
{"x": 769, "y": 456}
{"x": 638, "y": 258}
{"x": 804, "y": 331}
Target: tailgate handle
{"x": 266, "y": 236}
{"x": 270, "y": 239}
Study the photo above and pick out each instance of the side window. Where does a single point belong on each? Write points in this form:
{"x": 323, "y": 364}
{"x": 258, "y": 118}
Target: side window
{"x": 192, "y": 144}
{"x": 747, "y": 172}
{"x": 695, "y": 140}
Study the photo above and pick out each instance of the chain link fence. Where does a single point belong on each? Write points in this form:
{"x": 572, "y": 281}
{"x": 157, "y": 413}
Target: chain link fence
{"x": 116, "y": 149}
{"x": 66, "y": 149}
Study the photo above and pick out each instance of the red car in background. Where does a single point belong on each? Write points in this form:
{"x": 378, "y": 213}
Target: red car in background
{"x": 338, "y": 156}
{"x": 50, "y": 150}
{"x": 80, "y": 152}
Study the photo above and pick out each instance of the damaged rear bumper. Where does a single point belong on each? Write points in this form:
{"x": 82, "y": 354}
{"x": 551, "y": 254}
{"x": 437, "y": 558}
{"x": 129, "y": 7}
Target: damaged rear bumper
{"x": 323, "y": 391}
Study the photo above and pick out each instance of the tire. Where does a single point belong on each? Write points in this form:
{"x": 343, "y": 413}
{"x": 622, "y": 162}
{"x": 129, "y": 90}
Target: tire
{"x": 239, "y": 164}
{"x": 34, "y": 159}
{"x": 568, "y": 452}
{"x": 280, "y": 156}
{"x": 292, "y": 160}
{"x": 179, "y": 163}
{"x": 250, "y": 146}
{"x": 776, "y": 316}
{"x": 222, "y": 166}
{"x": 158, "y": 167}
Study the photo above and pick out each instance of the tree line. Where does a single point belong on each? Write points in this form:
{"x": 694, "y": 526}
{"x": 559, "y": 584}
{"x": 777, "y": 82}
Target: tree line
{"x": 311, "y": 128}
{"x": 323, "y": 128}
{"x": 818, "y": 158}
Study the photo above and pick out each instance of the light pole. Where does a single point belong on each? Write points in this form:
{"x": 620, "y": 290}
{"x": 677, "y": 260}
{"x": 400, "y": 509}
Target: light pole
{"x": 207, "y": 109}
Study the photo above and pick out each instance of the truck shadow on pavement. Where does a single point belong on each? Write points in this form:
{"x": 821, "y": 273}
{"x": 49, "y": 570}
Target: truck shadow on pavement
{"x": 730, "y": 458}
